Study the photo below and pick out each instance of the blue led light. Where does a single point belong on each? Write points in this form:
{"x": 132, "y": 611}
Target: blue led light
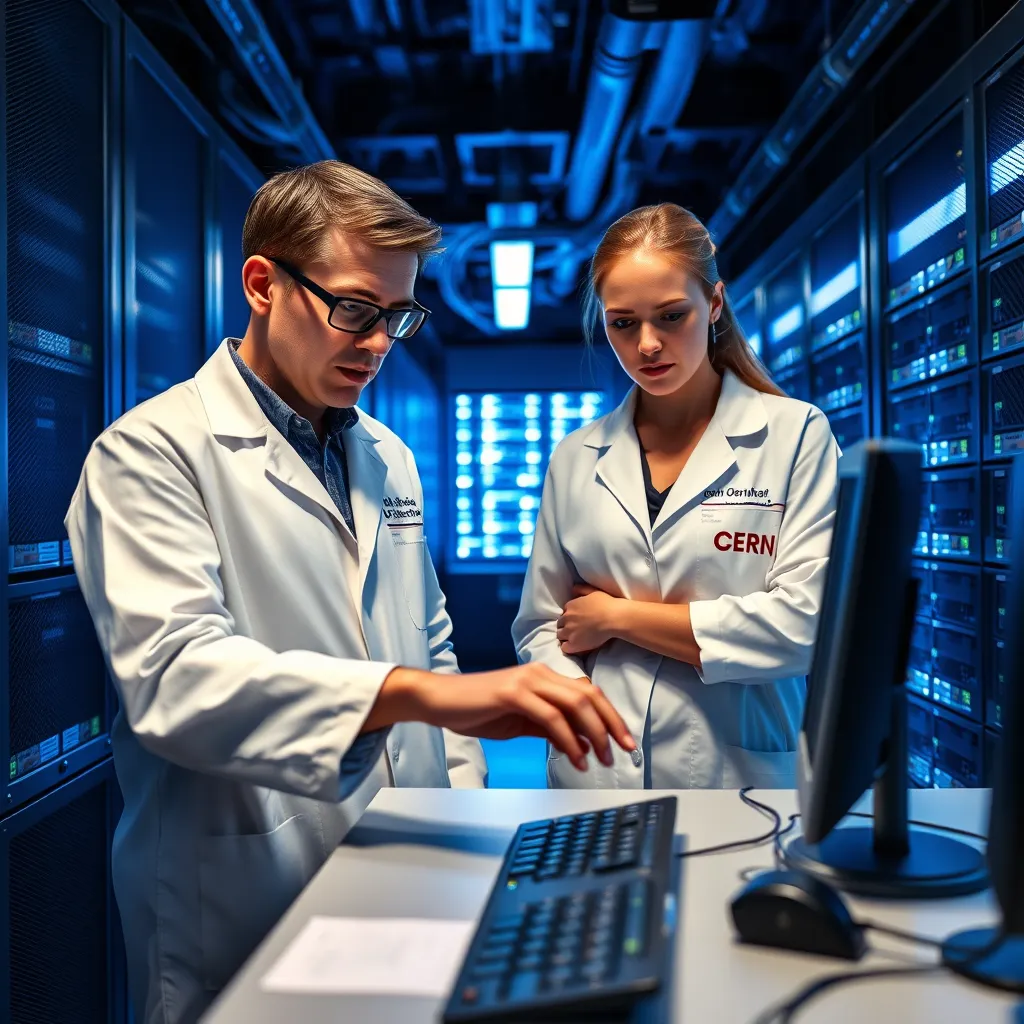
{"x": 946, "y": 211}
{"x": 754, "y": 340}
{"x": 785, "y": 325}
{"x": 512, "y": 264}
{"x": 1006, "y": 169}
{"x": 838, "y": 288}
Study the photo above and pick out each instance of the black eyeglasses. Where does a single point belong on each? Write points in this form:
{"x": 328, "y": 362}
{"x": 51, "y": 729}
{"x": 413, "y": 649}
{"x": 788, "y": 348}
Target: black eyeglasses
{"x": 357, "y": 316}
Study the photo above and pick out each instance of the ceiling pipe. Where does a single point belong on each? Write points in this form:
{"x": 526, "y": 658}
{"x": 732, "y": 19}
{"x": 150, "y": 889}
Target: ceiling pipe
{"x": 616, "y": 64}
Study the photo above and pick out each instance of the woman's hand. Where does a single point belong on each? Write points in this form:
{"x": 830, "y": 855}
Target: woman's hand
{"x": 587, "y": 620}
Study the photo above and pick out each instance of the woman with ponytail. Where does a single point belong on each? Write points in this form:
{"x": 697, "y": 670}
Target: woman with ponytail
{"x": 682, "y": 540}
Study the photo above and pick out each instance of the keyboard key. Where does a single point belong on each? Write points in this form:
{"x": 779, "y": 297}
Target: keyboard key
{"x": 494, "y": 953}
{"x": 530, "y": 963}
{"x": 497, "y": 970}
{"x": 524, "y": 986}
{"x": 635, "y": 934}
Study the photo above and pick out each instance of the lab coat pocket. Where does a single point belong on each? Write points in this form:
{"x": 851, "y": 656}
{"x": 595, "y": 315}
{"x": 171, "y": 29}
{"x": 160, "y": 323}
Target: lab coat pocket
{"x": 246, "y": 883}
{"x": 761, "y": 768}
{"x": 409, "y": 552}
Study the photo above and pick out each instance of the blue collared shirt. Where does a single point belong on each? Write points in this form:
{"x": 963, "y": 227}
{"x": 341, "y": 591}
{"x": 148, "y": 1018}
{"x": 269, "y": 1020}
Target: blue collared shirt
{"x": 327, "y": 462}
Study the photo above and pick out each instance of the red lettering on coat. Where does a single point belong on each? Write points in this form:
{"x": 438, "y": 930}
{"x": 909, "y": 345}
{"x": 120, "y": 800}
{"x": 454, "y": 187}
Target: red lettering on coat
{"x": 718, "y": 541}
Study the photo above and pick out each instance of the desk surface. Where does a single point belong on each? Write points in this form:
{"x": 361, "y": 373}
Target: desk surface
{"x": 435, "y": 854}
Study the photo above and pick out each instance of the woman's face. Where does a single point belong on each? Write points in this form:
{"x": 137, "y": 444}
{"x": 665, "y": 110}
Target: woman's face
{"x": 656, "y": 318}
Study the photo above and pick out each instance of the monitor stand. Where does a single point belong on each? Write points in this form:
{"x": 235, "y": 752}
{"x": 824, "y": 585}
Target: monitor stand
{"x": 891, "y": 860}
{"x": 987, "y": 956}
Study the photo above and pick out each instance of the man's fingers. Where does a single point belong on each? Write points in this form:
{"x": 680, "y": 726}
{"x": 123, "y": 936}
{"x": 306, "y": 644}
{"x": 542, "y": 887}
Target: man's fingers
{"x": 553, "y": 721}
{"x": 576, "y": 702}
{"x": 611, "y": 718}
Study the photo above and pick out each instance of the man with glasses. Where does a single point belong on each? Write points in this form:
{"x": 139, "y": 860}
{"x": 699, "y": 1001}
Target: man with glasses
{"x": 251, "y": 550}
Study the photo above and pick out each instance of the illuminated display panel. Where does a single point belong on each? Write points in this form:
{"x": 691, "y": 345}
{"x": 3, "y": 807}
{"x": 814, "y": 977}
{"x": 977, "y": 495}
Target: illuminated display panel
{"x": 1004, "y": 101}
{"x": 502, "y": 443}
{"x": 746, "y": 316}
{"x": 926, "y": 214}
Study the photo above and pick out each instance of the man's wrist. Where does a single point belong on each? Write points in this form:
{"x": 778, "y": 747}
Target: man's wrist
{"x": 400, "y": 699}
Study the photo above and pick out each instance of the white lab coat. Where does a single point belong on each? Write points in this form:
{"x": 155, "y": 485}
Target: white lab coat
{"x": 247, "y": 633}
{"x": 766, "y": 467}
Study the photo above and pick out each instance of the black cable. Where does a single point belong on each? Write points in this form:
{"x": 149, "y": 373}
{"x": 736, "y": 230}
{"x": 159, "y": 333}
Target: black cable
{"x": 784, "y": 1013}
{"x": 897, "y": 933}
{"x": 742, "y": 844}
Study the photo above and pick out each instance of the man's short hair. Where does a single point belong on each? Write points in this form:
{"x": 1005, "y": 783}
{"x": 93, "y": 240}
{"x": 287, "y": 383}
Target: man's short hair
{"x": 292, "y": 214}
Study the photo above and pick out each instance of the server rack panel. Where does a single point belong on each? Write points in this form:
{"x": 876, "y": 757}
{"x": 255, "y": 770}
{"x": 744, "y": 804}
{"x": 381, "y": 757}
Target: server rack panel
{"x": 995, "y": 602}
{"x": 1003, "y": 283}
{"x": 950, "y": 516}
{"x": 925, "y": 203}
{"x": 996, "y": 484}
{"x": 167, "y": 202}
{"x": 785, "y": 344}
{"x": 997, "y": 683}
{"x": 747, "y": 317}
{"x": 796, "y": 382}
{"x": 1003, "y": 101}
{"x": 1004, "y": 408}
{"x": 919, "y": 659}
{"x": 948, "y": 594}
{"x": 850, "y": 426}
{"x": 838, "y": 375}
{"x": 920, "y": 743}
{"x": 57, "y": 55}
{"x": 61, "y": 949}
{"x": 940, "y": 417}
{"x": 956, "y": 666}
{"x": 499, "y": 455}
{"x": 836, "y": 278}
{"x": 57, "y": 721}
{"x": 959, "y": 752}
{"x": 930, "y": 337}
{"x": 237, "y": 182}
{"x": 993, "y": 743}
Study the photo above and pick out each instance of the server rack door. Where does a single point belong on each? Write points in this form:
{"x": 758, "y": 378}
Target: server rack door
{"x": 57, "y": 53}
{"x": 1004, "y": 163}
{"x": 237, "y": 183}
{"x": 166, "y": 203}
{"x": 58, "y": 701}
{"x": 61, "y": 949}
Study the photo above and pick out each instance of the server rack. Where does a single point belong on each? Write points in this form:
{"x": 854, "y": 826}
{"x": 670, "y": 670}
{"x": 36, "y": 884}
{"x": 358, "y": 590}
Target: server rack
{"x": 236, "y": 183}
{"x": 170, "y": 280}
{"x": 61, "y": 952}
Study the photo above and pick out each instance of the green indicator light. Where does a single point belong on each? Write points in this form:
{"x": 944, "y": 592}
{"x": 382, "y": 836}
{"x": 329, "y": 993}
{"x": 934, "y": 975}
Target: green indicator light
{"x": 94, "y": 725}
{"x": 511, "y": 884}
{"x": 994, "y": 237}
{"x": 961, "y": 351}
{"x": 959, "y": 255}
{"x": 631, "y": 947}
{"x": 997, "y": 303}
{"x": 14, "y": 767}
{"x": 995, "y": 341}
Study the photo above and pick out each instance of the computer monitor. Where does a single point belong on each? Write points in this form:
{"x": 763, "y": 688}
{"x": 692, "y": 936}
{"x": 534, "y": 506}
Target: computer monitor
{"x": 995, "y": 956}
{"x": 854, "y": 731}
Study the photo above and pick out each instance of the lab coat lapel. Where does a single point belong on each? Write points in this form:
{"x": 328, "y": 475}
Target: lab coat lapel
{"x": 740, "y": 413}
{"x": 235, "y": 415}
{"x": 618, "y": 463}
{"x": 285, "y": 464}
{"x": 367, "y": 474}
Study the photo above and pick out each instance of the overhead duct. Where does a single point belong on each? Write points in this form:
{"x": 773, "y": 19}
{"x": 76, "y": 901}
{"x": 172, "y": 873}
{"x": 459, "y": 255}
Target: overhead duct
{"x": 617, "y": 61}
{"x": 868, "y": 26}
{"x": 249, "y": 35}
{"x": 620, "y": 46}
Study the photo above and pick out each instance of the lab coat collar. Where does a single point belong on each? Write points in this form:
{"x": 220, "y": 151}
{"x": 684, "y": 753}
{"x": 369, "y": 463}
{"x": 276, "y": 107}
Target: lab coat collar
{"x": 234, "y": 414}
{"x": 740, "y": 413}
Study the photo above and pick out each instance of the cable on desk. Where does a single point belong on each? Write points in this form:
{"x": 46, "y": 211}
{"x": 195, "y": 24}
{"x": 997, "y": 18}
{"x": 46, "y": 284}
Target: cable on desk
{"x": 785, "y": 1012}
{"x": 742, "y": 844}
{"x": 897, "y": 933}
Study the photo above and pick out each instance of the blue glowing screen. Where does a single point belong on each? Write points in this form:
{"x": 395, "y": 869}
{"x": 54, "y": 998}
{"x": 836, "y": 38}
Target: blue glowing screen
{"x": 503, "y": 441}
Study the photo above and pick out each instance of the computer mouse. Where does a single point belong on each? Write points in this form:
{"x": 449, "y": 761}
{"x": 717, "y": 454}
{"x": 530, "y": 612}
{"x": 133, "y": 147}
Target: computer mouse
{"x": 793, "y": 910}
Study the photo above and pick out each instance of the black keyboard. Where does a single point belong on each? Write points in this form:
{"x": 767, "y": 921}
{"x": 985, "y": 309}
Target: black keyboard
{"x": 579, "y": 922}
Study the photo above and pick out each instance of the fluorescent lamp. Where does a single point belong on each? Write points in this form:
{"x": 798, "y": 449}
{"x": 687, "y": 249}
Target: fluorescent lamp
{"x": 511, "y": 308}
{"x": 786, "y": 324}
{"x": 1007, "y": 169}
{"x": 946, "y": 211}
{"x": 754, "y": 340}
{"x": 512, "y": 264}
{"x": 838, "y": 288}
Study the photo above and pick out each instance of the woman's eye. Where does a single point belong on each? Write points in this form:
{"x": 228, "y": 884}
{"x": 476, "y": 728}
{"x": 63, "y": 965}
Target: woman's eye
{"x": 674, "y": 316}
{"x": 621, "y": 324}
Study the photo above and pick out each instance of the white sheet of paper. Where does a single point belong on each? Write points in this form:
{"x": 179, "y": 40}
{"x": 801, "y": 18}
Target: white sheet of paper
{"x": 383, "y": 956}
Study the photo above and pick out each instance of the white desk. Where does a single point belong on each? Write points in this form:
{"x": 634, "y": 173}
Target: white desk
{"x": 435, "y": 854}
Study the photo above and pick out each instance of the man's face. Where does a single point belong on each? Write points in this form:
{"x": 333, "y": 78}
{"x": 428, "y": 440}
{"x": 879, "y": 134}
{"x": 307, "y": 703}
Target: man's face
{"x": 323, "y": 367}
